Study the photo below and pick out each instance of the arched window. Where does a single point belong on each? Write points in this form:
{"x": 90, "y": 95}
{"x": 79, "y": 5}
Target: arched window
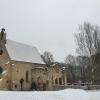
{"x": 56, "y": 81}
{"x": 27, "y": 76}
{"x": 1, "y": 70}
{"x": 60, "y": 81}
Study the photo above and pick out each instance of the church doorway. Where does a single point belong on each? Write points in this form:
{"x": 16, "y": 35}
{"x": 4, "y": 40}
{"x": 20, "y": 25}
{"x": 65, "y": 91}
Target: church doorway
{"x": 40, "y": 83}
{"x": 33, "y": 86}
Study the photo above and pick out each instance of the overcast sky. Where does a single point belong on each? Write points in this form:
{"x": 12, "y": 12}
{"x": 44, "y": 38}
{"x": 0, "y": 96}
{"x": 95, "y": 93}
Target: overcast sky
{"x": 47, "y": 24}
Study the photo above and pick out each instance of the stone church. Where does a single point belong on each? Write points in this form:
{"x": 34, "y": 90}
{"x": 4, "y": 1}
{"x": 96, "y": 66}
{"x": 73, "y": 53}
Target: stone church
{"x": 22, "y": 68}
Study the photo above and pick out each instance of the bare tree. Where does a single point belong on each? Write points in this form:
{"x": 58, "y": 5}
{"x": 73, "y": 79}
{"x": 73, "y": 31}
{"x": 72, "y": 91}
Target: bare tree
{"x": 48, "y": 58}
{"x": 88, "y": 43}
{"x": 88, "y": 39}
{"x": 70, "y": 59}
{"x": 83, "y": 63}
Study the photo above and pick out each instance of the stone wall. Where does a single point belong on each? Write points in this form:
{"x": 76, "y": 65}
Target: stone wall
{"x": 21, "y": 71}
{"x": 47, "y": 75}
{"x": 85, "y": 87}
{"x": 5, "y": 65}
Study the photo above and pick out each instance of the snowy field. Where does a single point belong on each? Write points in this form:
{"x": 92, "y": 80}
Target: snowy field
{"x": 68, "y": 94}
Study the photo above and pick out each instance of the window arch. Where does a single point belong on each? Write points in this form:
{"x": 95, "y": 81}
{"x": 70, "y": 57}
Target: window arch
{"x": 56, "y": 81}
{"x": 27, "y": 76}
{"x": 60, "y": 81}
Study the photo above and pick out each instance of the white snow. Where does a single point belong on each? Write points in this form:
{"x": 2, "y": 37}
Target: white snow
{"x": 4, "y": 72}
{"x": 23, "y": 52}
{"x": 7, "y": 62}
{"x": 68, "y": 94}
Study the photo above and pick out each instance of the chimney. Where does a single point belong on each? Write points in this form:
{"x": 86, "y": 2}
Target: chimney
{"x": 2, "y": 36}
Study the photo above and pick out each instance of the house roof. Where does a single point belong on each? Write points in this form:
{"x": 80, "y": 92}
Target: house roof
{"x": 22, "y": 52}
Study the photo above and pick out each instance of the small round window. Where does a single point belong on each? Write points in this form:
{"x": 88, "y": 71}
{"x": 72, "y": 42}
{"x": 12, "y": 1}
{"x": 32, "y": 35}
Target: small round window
{"x": 1, "y": 70}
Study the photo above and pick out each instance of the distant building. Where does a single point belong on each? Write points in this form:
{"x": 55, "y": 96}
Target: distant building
{"x": 22, "y": 68}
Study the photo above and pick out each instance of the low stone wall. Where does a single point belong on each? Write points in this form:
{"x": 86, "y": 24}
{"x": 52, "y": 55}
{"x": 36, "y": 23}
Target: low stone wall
{"x": 86, "y": 87}
{"x": 3, "y": 89}
{"x": 94, "y": 87}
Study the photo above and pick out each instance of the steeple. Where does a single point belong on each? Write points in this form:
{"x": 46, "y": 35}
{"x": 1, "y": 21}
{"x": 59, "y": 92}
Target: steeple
{"x": 2, "y": 36}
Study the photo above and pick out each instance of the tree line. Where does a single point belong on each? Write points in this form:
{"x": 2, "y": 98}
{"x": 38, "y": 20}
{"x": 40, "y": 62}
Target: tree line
{"x": 85, "y": 67}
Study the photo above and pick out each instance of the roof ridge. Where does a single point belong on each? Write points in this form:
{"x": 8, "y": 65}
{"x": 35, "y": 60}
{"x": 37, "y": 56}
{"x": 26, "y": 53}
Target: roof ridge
{"x": 21, "y": 43}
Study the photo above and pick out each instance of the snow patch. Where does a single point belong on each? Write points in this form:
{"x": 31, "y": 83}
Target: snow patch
{"x": 4, "y": 72}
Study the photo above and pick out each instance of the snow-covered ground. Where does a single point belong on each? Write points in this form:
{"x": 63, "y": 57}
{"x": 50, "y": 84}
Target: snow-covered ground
{"x": 68, "y": 94}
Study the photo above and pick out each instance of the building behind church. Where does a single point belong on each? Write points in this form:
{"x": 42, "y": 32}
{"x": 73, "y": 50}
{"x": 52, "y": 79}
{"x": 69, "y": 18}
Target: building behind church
{"x": 22, "y": 68}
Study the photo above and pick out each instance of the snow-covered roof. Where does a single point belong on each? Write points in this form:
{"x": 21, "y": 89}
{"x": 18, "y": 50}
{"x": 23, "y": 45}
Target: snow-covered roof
{"x": 22, "y": 52}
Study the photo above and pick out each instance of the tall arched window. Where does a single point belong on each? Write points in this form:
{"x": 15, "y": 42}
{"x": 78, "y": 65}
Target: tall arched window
{"x": 56, "y": 81}
{"x": 60, "y": 81}
{"x": 27, "y": 76}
